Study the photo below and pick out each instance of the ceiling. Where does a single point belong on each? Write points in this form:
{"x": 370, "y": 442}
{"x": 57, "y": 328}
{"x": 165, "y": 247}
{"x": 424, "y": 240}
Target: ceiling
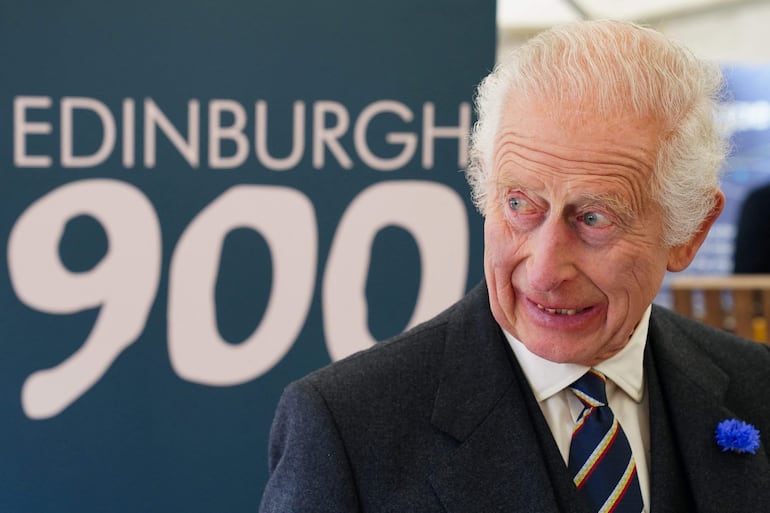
{"x": 537, "y": 14}
{"x": 728, "y": 31}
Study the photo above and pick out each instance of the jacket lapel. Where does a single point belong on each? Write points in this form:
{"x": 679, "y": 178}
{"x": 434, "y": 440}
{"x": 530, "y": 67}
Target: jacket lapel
{"x": 669, "y": 489}
{"x": 497, "y": 464}
{"x": 693, "y": 388}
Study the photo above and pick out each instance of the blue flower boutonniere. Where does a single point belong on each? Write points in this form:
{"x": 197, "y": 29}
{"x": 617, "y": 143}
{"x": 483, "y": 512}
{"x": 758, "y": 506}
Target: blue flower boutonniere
{"x": 737, "y": 436}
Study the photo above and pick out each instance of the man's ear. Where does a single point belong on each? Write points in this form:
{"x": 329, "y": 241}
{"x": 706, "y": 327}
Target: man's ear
{"x": 679, "y": 257}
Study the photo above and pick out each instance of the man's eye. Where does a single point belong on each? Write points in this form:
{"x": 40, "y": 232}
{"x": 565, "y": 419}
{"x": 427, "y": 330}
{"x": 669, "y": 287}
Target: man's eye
{"x": 518, "y": 204}
{"x": 594, "y": 220}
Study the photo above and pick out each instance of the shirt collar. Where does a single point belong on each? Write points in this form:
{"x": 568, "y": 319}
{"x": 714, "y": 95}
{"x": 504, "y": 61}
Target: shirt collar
{"x": 625, "y": 369}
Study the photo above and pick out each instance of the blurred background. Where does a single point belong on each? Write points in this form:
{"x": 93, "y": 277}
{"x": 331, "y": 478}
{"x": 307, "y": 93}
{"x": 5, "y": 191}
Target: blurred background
{"x": 728, "y": 31}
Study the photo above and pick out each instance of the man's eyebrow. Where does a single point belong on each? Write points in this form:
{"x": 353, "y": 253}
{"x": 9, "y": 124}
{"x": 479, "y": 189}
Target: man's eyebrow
{"x": 509, "y": 183}
{"x": 615, "y": 202}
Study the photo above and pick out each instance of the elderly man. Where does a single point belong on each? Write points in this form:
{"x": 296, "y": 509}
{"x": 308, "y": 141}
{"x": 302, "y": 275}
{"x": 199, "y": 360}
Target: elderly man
{"x": 556, "y": 386}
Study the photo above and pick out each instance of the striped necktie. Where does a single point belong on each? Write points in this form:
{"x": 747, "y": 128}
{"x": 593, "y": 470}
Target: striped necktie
{"x": 600, "y": 458}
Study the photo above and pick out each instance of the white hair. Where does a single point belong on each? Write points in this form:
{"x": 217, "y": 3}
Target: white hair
{"x": 617, "y": 67}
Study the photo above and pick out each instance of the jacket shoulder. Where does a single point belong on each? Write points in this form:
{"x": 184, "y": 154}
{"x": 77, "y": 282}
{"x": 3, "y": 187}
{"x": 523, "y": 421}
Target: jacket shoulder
{"x": 409, "y": 359}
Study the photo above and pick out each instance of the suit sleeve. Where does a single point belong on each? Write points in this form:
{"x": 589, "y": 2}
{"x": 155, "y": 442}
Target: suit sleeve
{"x": 309, "y": 468}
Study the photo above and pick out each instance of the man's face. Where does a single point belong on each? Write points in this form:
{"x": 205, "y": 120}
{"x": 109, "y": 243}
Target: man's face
{"x": 574, "y": 248}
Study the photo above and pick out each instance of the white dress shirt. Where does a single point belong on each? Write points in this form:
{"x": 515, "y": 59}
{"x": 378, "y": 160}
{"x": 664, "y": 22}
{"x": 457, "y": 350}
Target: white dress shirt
{"x": 625, "y": 394}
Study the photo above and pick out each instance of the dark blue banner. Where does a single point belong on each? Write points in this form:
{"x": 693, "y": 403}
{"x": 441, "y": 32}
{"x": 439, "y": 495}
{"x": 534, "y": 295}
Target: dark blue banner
{"x": 202, "y": 201}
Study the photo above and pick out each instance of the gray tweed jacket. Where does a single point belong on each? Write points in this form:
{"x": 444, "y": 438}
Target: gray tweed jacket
{"x": 440, "y": 419}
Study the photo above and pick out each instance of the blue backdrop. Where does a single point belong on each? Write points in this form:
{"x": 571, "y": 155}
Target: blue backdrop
{"x": 202, "y": 201}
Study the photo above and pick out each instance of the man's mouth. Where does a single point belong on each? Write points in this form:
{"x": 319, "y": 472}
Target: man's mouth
{"x": 560, "y": 311}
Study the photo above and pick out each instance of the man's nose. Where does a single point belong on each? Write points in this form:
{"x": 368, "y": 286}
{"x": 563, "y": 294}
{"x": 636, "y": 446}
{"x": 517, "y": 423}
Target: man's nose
{"x": 552, "y": 255}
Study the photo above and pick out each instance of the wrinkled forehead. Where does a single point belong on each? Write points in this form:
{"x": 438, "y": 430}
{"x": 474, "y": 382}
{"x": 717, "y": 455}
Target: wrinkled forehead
{"x": 581, "y": 147}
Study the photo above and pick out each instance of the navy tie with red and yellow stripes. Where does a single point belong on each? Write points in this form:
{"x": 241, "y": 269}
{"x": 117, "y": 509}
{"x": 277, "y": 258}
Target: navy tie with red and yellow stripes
{"x": 600, "y": 458}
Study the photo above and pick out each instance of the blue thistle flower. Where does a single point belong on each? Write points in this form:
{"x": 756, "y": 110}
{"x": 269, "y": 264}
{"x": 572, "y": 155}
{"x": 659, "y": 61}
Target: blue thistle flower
{"x": 737, "y": 436}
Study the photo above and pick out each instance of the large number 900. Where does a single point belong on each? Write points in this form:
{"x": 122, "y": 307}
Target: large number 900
{"x": 125, "y": 282}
